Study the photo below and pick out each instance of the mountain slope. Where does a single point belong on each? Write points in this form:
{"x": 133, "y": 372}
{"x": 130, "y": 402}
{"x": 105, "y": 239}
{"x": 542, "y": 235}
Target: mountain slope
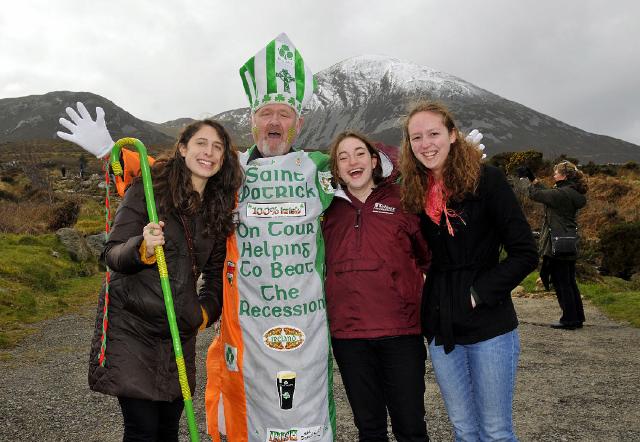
{"x": 171, "y": 128}
{"x": 36, "y": 117}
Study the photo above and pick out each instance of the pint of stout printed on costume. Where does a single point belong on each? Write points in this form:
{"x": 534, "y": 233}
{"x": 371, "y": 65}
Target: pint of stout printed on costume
{"x": 286, "y": 384}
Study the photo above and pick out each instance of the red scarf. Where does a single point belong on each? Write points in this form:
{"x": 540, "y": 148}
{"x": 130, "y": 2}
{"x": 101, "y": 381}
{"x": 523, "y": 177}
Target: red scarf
{"x": 435, "y": 203}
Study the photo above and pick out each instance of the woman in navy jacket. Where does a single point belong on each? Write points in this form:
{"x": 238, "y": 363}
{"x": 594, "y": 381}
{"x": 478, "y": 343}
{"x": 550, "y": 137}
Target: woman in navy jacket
{"x": 468, "y": 214}
{"x": 375, "y": 257}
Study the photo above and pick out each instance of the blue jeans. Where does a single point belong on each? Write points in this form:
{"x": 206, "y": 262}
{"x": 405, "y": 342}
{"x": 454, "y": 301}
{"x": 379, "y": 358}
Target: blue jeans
{"x": 477, "y": 383}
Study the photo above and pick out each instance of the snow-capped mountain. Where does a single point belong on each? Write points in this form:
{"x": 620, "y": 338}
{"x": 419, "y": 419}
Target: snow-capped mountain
{"x": 372, "y": 94}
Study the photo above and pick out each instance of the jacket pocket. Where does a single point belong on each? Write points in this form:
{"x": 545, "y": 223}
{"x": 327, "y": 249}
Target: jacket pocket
{"x": 350, "y": 297}
{"x": 357, "y": 265}
{"x": 190, "y": 317}
{"x": 463, "y": 310}
{"x": 144, "y": 300}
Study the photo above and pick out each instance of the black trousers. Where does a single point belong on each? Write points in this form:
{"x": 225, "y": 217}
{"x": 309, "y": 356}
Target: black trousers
{"x": 380, "y": 375}
{"x": 563, "y": 278}
{"x": 147, "y": 421}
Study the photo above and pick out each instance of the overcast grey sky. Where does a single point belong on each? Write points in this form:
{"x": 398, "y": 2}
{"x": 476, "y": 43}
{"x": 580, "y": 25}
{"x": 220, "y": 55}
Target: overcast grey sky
{"x": 575, "y": 60}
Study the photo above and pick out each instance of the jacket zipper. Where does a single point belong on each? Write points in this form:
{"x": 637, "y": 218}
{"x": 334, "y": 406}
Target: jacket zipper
{"x": 357, "y": 227}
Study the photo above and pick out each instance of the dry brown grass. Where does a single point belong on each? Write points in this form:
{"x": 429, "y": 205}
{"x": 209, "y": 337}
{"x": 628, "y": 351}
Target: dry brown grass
{"x": 611, "y": 200}
{"x": 30, "y": 217}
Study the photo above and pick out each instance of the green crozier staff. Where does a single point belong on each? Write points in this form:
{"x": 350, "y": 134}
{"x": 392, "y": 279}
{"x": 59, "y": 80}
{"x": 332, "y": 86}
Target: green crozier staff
{"x": 162, "y": 269}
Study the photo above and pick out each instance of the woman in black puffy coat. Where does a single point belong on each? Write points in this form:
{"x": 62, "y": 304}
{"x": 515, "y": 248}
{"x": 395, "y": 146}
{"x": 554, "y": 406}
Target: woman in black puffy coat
{"x": 131, "y": 353}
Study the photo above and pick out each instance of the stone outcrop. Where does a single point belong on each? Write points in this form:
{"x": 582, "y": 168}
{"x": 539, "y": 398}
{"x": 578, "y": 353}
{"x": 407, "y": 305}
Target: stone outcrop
{"x": 75, "y": 244}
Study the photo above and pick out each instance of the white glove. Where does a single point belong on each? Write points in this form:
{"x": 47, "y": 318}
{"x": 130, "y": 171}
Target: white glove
{"x": 92, "y": 136}
{"x": 474, "y": 137}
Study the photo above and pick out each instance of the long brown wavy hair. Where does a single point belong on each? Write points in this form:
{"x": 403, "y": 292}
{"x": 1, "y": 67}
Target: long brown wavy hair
{"x": 174, "y": 192}
{"x": 574, "y": 175}
{"x": 333, "y": 156}
{"x": 461, "y": 171}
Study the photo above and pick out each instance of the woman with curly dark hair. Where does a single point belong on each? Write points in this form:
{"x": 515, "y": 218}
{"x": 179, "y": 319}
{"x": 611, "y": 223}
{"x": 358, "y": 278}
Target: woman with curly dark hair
{"x": 468, "y": 214}
{"x": 561, "y": 203}
{"x": 131, "y": 353}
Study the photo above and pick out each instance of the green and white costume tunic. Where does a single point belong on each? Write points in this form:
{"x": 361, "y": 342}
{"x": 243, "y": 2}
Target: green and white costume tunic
{"x": 274, "y": 322}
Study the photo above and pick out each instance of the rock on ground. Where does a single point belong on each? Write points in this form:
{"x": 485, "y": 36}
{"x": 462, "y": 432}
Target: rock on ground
{"x": 580, "y": 385}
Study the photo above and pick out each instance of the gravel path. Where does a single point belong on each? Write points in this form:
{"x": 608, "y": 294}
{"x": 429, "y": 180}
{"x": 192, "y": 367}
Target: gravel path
{"x": 581, "y": 385}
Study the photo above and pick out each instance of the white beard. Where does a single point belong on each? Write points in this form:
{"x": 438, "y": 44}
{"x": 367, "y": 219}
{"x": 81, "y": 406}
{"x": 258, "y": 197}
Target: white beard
{"x": 267, "y": 151}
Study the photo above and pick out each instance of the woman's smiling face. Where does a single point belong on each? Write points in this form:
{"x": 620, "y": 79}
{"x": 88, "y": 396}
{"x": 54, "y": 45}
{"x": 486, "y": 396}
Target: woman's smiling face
{"x": 203, "y": 155}
{"x": 430, "y": 140}
{"x": 355, "y": 165}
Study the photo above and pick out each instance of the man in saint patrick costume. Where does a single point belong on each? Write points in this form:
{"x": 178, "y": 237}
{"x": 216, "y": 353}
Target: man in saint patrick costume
{"x": 269, "y": 373}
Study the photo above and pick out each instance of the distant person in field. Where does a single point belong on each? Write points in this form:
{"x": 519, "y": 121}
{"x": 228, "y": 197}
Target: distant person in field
{"x": 561, "y": 204}
{"x": 82, "y": 164}
{"x": 376, "y": 257}
{"x": 468, "y": 214}
{"x": 131, "y": 352}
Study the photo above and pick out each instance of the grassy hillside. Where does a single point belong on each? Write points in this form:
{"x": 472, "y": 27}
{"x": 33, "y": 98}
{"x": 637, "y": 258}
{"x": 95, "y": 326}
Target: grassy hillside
{"x": 38, "y": 281}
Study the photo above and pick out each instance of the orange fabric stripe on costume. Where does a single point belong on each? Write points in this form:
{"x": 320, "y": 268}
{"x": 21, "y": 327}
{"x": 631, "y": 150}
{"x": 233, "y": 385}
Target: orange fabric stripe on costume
{"x": 233, "y": 395}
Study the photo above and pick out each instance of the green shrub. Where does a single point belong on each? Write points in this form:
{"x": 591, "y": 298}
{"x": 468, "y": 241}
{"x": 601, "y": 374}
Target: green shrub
{"x": 529, "y": 158}
{"x": 620, "y": 247}
{"x": 586, "y": 272}
{"x": 500, "y": 160}
{"x": 599, "y": 169}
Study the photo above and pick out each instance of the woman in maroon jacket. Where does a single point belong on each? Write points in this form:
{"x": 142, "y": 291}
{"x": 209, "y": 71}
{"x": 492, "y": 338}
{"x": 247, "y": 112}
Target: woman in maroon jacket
{"x": 375, "y": 258}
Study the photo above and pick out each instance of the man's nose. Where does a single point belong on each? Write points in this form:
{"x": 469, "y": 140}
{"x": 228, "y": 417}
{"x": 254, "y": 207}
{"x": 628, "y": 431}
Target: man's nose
{"x": 274, "y": 119}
